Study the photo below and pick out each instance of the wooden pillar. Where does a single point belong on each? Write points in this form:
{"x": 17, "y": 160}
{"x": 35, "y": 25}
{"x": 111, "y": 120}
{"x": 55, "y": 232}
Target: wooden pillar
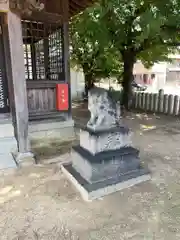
{"x": 18, "y": 83}
{"x": 46, "y": 55}
{"x": 66, "y": 55}
{"x": 33, "y": 59}
{"x": 8, "y": 71}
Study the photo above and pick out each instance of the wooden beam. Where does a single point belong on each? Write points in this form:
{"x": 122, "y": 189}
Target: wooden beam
{"x": 53, "y": 10}
{"x": 9, "y": 72}
{"x": 33, "y": 84}
{"x": 33, "y": 59}
{"x": 46, "y": 57}
{"x": 66, "y": 55}
{"x": 53, "y": 6}
{"x": 78, "y": 5}
{"x": 17, "y": 81}
{"x": 47, "y": 17}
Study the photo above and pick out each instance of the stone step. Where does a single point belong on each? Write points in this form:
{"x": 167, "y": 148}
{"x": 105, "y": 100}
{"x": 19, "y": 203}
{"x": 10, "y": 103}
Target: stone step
{"x": 6, "y": 129}
{"x": 7, "y": 161}
{"x": 7, "y": 145}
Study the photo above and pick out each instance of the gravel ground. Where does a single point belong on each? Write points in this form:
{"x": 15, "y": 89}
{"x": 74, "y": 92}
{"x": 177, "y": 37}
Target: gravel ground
{"x": 39, "y": 203}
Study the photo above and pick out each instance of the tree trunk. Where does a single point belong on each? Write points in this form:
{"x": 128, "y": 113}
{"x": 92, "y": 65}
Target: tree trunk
{"x": 129, "y": 60}
{"x": 88, "y": 83}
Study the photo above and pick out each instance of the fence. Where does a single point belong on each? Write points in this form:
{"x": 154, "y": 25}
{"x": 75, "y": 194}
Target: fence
{"x": 157, "y": 102}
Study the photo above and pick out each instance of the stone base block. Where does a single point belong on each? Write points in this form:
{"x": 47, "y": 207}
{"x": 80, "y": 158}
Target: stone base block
{"x": 91, "y": 191}
{"x": 50, "y": 129}
{"x": 104, "y": 165}
{"x": 7, "y": 161}
{"x": 24, "y": 159}
{"x": 101, "y": 140}
{"x": 8, "y": 145}
{"x": 6, "y": 127}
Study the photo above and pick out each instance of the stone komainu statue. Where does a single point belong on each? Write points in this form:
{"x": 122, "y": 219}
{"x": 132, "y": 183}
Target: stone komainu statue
{"x": 103, "y": 108}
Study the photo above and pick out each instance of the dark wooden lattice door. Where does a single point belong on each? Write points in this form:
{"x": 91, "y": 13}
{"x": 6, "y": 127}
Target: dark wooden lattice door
{"x": 3, "y": 79}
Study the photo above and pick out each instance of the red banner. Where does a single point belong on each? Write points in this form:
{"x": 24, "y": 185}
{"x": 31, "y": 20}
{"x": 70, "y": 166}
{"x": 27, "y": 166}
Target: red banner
{"x": 62, "y": 97}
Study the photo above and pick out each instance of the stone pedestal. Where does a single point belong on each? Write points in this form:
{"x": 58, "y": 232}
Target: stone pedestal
{"x": 104, "y": 162}
{"x": 8, "y": 144}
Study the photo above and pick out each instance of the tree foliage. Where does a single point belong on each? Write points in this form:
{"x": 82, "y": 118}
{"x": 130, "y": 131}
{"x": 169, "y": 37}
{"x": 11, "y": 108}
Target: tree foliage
{"x": 146, "y": 30}
{"x": 115, "y": 31}
{"x": 90, "y": 48}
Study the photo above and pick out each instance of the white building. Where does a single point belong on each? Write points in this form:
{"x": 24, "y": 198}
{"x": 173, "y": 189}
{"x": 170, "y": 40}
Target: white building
{"x": 162, "y": 75}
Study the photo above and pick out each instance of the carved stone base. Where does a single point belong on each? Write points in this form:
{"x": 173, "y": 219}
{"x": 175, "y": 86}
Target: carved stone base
{"x": 104, "y": 140}
{"x": 104, "y": 165}
{"x": 104, "y": 162}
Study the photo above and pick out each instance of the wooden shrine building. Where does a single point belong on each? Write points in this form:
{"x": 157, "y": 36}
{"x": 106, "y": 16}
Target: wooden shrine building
{"x": 34, "y": 58}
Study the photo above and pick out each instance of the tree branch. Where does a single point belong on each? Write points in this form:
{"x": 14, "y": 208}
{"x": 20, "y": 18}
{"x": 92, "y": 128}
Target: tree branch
{"x": 147, "y": 43}
{"x": 170, "y": 28}
{"x": 139, "y": 11}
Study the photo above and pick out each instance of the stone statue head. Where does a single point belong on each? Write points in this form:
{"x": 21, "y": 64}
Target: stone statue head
{"x": 103, "y": 109}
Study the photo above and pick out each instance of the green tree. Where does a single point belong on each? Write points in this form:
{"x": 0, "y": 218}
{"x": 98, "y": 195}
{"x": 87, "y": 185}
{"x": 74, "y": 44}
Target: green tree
{"x": 140, "y": 29}
{"x": 91, "y": 49}
{"x": 113, "y": 33}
